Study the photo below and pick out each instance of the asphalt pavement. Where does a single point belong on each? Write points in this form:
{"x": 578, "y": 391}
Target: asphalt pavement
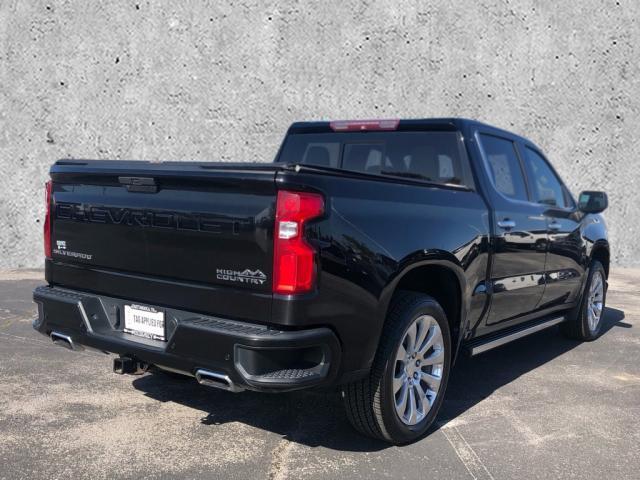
{"x": 541, "y": 407}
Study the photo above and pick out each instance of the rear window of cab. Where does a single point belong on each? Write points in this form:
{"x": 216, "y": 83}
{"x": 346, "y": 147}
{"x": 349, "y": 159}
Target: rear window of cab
{"x": 434, "y": 157}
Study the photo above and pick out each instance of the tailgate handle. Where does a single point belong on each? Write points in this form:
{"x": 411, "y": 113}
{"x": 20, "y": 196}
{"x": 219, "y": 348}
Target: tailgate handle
{"x": 139, "y": 184}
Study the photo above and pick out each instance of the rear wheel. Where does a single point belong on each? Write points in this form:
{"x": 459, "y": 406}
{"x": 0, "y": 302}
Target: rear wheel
{"x": 585, "y": 322}
{"x": 400, "y": 398}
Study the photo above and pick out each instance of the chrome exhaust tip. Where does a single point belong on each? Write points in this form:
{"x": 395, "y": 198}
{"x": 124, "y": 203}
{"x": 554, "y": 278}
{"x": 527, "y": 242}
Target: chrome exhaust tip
{"x": 64, "y": 341}
{"x": 216, "y": 380}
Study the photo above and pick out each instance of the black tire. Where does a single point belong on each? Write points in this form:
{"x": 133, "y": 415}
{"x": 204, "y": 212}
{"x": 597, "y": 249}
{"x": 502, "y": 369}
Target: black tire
{"x": 577, "y": 325}
{"x": 370, "y": 403}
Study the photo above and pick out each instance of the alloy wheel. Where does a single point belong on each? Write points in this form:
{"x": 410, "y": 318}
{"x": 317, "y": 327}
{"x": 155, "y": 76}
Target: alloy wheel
{"x": 419, "y": 366}
{"x": 595, "y": 301}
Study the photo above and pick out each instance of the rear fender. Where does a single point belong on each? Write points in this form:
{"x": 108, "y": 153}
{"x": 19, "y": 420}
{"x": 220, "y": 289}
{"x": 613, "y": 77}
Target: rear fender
{"x": 425, "y": 258}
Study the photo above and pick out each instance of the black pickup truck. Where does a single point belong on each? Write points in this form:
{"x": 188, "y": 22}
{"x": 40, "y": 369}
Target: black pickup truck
{"x": 365, "y": 258}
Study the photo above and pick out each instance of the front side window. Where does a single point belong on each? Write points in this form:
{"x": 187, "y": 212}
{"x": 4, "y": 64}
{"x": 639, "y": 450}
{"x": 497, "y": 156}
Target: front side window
{"x": 547, "y": 187}
{"x": 504, "y": 166}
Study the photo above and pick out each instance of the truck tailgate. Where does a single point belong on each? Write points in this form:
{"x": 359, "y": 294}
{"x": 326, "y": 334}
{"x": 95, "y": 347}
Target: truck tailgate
{"x": 204, "y": 224}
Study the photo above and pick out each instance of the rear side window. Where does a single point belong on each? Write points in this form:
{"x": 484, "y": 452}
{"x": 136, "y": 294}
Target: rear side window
{"x": 504, "y": 166}
{"x": 547, "y": 188}
{"x": 436, "y": 157}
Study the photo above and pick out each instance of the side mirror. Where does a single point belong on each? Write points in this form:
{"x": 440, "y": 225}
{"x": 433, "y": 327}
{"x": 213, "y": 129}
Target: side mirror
{"x": 593, "y": 202}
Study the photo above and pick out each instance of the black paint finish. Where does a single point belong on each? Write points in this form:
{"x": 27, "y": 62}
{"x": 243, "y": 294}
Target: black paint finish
{"x": 164, "y": 246}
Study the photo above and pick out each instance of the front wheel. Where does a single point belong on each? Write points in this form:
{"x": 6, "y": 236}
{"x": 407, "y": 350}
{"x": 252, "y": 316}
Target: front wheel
{"x": 585, "y": 322}
{"x": 400, "y": 398}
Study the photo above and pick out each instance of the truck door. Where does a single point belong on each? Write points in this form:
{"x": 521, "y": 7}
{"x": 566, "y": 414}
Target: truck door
{"x": 564, "y": 267}
{"x": 519, "y": 238}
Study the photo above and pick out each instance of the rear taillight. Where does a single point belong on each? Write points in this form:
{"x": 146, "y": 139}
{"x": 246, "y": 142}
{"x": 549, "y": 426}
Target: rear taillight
{"x": 363, "y": 125}
{"x": 47, "y": 220}
{"x": 294, "y": 269}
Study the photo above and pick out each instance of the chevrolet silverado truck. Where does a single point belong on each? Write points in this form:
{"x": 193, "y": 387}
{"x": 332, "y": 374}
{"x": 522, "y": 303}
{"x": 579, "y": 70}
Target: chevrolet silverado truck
{"x": 365, "y": 258}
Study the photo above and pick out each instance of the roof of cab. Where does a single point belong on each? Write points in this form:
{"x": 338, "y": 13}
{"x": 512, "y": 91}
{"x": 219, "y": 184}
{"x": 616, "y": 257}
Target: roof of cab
{"x": 445, "y": 123}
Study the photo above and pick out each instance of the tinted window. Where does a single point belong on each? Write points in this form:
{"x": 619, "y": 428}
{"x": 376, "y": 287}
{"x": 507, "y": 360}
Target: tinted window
{"x": 504, "y": 166}
{"x": 546, "y": 186}
{"x": 437, "y": 157}
{"x": 321, "y": 149}
{"x": 363, "y": 157}
{"x": 321, "y": 153}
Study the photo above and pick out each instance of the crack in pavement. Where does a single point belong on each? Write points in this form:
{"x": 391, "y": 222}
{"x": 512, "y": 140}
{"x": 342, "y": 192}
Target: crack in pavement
{"x": 280, "y": 455}
{"x": 467, "y": 455}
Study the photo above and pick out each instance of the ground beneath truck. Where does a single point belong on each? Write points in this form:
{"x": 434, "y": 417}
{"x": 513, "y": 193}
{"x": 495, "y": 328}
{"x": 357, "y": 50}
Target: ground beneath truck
{"x": 555, "y": 409}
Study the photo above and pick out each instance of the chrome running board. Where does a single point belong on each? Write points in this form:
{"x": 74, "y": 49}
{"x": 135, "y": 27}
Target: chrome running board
{"x": 483, "y": 345}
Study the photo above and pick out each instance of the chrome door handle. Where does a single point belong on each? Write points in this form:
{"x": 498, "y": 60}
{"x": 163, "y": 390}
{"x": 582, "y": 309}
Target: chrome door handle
{"x": 555, "y": 226}
{"x": 507, "y": 224}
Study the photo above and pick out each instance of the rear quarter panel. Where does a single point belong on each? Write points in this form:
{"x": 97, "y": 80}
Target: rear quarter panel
{"x": 374, "y": 231}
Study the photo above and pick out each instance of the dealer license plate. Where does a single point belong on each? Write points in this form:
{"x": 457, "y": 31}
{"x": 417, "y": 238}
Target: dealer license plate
{"x": 144, "y": 322}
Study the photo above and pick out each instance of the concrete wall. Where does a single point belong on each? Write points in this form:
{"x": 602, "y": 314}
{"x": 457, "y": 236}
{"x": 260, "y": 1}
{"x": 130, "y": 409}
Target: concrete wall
{"x": 196, "y": 80}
